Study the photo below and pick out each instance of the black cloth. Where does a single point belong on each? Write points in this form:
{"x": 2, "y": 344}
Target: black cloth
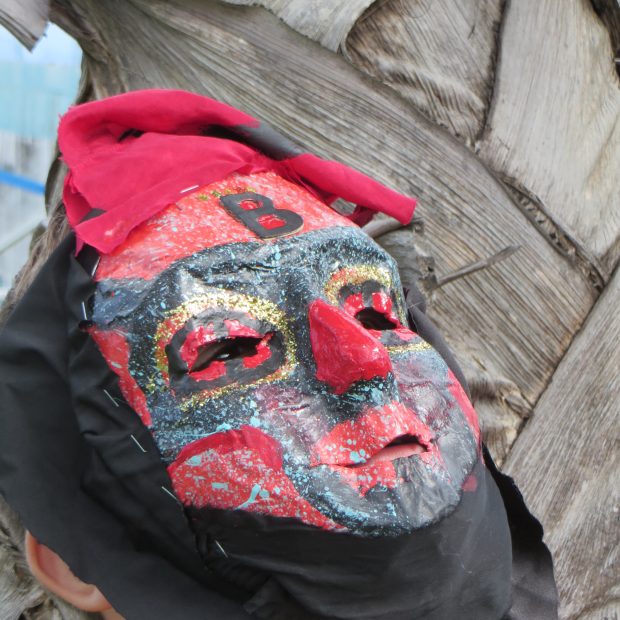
{"x": 84, "y": 474}
{"x": 458, "y": 567}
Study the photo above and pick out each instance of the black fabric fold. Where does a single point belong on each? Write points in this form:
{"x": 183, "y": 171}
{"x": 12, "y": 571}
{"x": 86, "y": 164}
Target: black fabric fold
{"x": 535, "y": 595}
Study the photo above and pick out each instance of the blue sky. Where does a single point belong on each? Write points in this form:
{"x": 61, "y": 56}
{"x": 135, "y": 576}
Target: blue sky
{"x": 55, "y": 48}
{"x": 36, "y": 87}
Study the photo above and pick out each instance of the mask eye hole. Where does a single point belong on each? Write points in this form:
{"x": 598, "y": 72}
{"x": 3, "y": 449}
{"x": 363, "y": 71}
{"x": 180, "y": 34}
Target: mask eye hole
{"x": 221, "y": 341}
{"x": 225, "y": 349}
{"x": 373, "y": 319}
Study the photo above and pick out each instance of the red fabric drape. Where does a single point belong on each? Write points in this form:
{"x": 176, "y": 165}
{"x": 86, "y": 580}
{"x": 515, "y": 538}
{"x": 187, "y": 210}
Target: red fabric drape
{"x": 118, "y": 179}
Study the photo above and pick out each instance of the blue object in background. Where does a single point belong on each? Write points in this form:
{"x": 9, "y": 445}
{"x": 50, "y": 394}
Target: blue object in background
{"x": 37, "y": 87}
{"x": 15, "y": 180}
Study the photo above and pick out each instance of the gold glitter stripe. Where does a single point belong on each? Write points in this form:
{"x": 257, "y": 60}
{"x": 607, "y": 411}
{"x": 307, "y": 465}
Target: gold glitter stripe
{"x": 412, "y": 347}
{"x": 199, "y": 397}
{"x": 357, "y": 275}
{"x": 257, "y": 308}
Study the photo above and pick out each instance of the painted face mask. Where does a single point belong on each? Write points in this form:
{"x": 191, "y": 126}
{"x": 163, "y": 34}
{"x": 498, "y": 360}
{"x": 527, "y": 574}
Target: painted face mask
{"x": 275, "y": 367}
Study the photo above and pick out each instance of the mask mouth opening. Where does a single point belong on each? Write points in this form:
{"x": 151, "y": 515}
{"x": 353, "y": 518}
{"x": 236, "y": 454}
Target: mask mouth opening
{"x": 402, "y": 440}
{"x": 402, "y": 446}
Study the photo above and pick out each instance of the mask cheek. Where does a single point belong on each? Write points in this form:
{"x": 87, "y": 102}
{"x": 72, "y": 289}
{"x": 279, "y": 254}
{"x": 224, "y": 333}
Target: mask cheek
{"x": 114, "y": 347}
{"x": 297, "y": 418}
{"x": 430, "y": 388}
{"x": 457, "y": 391}
{"x": 240, "y": 470}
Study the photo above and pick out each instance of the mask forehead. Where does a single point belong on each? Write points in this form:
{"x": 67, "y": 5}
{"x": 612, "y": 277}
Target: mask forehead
{"x": 201, "y": 220}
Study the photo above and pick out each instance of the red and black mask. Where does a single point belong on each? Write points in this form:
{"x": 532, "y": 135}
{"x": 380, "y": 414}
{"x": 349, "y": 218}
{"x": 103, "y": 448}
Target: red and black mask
{"x": 263, "y": 339}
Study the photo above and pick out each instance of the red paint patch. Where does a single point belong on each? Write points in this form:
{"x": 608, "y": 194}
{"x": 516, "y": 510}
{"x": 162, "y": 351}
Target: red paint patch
{"x": 270, "y": 221}
{"x": 240, "y": 469}
{"x": 351, "y": 444}
{"x": 354, "y": 304}
{"x": 250, "y": 205}
{"x": 199, "y": 337}
{"x": 235, "y": 329}
{"x": 382, "y": 303}
{"x": 246, "y": 437}
{"x": 190, "y": 350}
{"x": 344, "y": 351}
{"x": 115, "y": 349}
{"x": 198, "y": 221}
{"x": 214, "y": 370}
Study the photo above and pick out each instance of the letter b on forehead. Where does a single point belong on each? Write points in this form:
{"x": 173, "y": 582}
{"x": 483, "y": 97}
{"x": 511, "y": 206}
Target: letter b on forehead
{"x": 260, "y": 216}
{"x": 218, "y": 214}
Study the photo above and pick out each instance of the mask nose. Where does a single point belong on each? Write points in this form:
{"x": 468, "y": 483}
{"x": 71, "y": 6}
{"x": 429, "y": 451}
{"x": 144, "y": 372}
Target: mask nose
{"x": 343, "y": 349}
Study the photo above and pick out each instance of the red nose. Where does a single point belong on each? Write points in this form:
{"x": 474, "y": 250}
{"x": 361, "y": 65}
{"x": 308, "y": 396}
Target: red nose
{"x": 343, "y": 350}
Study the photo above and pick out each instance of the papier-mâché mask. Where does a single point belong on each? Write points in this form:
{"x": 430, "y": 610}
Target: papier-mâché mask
{"x": 278, "y": 375}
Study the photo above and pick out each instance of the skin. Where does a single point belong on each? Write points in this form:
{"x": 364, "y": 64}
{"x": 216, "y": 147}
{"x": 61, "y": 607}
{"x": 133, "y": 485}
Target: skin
{"x": 54, "y": 574}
